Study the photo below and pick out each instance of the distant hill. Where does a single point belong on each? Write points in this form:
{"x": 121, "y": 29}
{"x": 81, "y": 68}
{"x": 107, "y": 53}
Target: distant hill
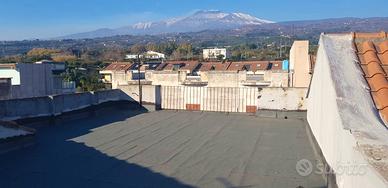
{"x": 264, "y": 33}
{"x": 199, "y": 21}
{"x": 238, "y": 23}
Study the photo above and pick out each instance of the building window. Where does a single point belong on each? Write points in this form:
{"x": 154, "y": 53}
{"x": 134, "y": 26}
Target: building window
{"x": 247, "y": 67}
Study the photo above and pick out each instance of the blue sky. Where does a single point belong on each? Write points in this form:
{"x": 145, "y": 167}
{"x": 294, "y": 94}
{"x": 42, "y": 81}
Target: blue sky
{"x": 26, "y": 19}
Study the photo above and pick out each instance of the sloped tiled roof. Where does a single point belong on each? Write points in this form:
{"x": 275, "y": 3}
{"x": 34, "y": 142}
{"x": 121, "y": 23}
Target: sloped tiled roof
{"x": 255, "y": 65}
{"x": 217, "y": 66}
{"x": 119, "y": 66}
{"x": 184, "y": 65}
{"x": 372, "y": 52}
{"x": 8, "y": 66}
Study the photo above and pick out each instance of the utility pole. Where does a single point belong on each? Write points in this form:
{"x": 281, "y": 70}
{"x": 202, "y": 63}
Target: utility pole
{"x": 280, "y": 55}
{"x": 138, "y": 78}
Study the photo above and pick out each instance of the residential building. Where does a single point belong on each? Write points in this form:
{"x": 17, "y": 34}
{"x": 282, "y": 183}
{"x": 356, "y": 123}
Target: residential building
{"x": 154, "y": 55}
{"x": 220, "y": 74}
{"x": 148, "y": 55}
{"x": 210, "y": 74}
{"x": 293, "y": 73}
{"x": 215, "y": 53}
{"x": 24, "y": 80}
{"x": 300, "y": 66}
{"x": 348, "y": 107}
{"x": 172, "y": 73}
{"x": 117, "y": 73}
{"x": 121, "y": 73}
{"x": 133, "y": 56}
{"x": 261, "y": 73}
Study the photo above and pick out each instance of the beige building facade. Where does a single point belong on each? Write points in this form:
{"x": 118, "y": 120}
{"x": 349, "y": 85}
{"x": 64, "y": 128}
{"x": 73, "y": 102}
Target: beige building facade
{"x": 300, "y": 65}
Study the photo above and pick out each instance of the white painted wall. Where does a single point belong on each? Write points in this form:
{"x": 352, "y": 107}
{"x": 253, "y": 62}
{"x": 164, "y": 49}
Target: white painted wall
{"x": 214, "y": 53}
{"x": 11, "y": 73}
{"x": 282, "y": 98}
{"x": 342, "y": 116}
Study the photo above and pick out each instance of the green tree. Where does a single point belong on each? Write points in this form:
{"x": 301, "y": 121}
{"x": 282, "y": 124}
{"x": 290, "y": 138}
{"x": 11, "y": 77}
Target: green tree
{"x": 37, "y": 54}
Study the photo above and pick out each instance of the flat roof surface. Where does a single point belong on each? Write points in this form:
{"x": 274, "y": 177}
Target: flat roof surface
{"x": 164, "y": 149}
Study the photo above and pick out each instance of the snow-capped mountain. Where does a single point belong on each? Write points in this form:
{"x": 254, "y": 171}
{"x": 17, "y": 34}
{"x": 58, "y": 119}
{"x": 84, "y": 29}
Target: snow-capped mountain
{"x": 199, "y": 21}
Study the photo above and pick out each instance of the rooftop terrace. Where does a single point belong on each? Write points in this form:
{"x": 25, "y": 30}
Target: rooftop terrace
{"x": 164, "y": 149}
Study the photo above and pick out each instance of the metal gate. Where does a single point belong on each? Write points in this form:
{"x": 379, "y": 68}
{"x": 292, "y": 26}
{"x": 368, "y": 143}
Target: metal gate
{"x": 217, "y": 99}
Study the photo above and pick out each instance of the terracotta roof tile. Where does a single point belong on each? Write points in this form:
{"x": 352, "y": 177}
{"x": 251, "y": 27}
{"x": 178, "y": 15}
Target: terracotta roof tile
{"x": 382, "y": 50}
{"x": 255, "y": 65}
{"x": 372, "y": 51}
{"x": 277, "y": 65}
{"x": 385, "y": 68}
{"x": 372, "y": 69}
{"x": 8, "y": 65}
{"x": 366, "y": 47}
{"x": 382, "y": 47}
{"x": 217, "y": 66}
{"x": 377, "y": 82}
{"x": 368, "y": 57}
{"x": 383, "y": 58}
{"x": 183, "y": 65}
{"x": 117, "y": 66}
{"x": 384, "y": 113}
{"x": 370, "y": 35}
{"x": 380, "y": 97}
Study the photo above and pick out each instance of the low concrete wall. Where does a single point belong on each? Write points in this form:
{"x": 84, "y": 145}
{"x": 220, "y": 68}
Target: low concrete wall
{"x": 282, "y": 98}
{"x": 218, "y": 99}
{"x": 148, "y": 92}
{"x": 56, "y": 105}
{"x": 225, "y": 99}
{"x": 167, "y": 78}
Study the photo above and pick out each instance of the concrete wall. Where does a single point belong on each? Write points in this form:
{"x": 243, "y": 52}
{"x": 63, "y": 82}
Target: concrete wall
{"x": 219, "y": 99}
{"x": 54, "y": 105}
{"x": 235, "y": 79}
{"x": 120, "y": 78}
{"x": 166, "y": 78}
{"x": 35, "y": 80}
{"x": 282, "y": 98}
{"x": 228, "y": 99}
{"x": 277, "y": 79}
{"x": 223, "y": 79}
{"x": 5, "y": 87}
{"x": 148, "y": 92}
{"x": 342, "y": 117}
